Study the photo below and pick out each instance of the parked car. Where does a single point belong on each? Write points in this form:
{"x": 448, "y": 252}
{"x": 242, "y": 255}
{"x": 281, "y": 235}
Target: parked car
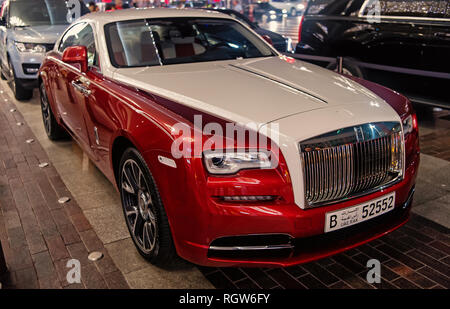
{"x": 28, "y": 29}
{"x": 265, "y": 12}
{"x": 293, "y": 7}
{"x": 411, "y": 35}
{"x": 281, "y": 43}
{"x": 187, "y": 4}
{"x": 337, "y": 169}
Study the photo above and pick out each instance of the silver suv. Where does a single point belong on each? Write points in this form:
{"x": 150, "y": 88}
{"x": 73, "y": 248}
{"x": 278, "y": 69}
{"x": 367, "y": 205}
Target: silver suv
{"x": 28, "y": 29}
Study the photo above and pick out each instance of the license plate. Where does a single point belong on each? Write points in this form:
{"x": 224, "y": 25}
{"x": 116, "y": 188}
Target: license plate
{"x": 342, "y": 218}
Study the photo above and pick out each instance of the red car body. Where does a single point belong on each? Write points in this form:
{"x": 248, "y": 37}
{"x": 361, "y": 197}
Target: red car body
{"x": 122, "y": 116}
{"x": 106, "y": 117}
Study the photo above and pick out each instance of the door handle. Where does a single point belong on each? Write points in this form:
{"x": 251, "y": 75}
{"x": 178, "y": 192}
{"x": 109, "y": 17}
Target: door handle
{"x": 78, "y": 86}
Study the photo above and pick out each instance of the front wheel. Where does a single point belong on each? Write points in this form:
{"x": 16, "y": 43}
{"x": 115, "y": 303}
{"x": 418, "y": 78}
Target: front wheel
{"x": 143, "y": 209}
{"x": 20, "y": 92}
{"x": 2, "y": 74}
{"x": 52, "y": 128}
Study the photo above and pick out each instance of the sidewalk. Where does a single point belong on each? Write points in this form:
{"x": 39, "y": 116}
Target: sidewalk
{"x": 38, "y": 234}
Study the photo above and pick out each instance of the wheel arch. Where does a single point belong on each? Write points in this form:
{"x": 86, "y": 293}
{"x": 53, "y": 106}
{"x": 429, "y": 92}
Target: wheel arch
{"x": 119, "y": 145}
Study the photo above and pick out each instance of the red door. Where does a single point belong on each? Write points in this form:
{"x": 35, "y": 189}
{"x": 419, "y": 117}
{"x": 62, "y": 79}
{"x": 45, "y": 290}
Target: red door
{"x": 100, "y": 120}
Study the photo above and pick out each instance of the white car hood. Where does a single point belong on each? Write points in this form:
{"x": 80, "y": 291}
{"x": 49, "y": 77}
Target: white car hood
{"x": 39, "y": 34}
{"x": 268, "y": 91}
{"x": 249, "y": 90}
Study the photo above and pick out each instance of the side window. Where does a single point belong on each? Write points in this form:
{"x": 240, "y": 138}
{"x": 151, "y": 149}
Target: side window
{"x": 86, "y": 37}
{"x": 83, "y": 35}
{"x": 70, "y": 38}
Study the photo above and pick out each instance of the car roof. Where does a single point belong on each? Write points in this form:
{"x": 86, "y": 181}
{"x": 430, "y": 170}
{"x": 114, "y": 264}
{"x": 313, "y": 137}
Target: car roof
{"x": 138, "y": 13}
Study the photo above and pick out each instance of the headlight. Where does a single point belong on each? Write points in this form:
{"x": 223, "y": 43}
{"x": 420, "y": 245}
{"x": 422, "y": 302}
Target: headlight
{"x": 284, "y": 11}
{"x": 409, "y": 124}
{"x": 272, "y": 12}
{"x": 300, "y": 6}
{"x": 29, "y": 47}
{"x": 230, "y": 163}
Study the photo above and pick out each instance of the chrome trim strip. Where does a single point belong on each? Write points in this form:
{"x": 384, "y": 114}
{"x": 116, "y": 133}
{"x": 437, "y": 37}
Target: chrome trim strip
{"x": 353, "y": 196}
{"x": 278, "y": 82}
{"x": 410, "y": 197}
{"x": 252, "y": 248}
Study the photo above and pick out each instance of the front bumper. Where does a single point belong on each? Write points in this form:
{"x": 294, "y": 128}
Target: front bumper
{"x": 304, "y": 227}
{"x": 26, "y": 65}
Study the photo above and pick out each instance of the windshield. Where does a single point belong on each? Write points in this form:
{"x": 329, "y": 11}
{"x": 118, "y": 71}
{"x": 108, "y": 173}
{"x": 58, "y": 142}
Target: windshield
{"x": 37, "y": 12}
{"x": 167, "y": 41}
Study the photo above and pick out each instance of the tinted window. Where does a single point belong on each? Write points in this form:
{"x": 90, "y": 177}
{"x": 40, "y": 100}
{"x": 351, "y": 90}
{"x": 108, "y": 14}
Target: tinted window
{"x": 180, "y": 40}
{"x": 333, "y": 7}
{"x": 81, "y": 35}
{"x": 37, "y": 12}
{"x": 423, "y": 8}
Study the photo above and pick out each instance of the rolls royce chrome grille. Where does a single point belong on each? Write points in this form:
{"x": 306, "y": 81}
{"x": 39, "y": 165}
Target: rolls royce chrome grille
{"x": 352, "y": 161}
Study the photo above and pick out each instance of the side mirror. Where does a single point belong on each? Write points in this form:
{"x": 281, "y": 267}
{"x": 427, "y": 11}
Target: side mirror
{"x": 76, "y": 55}
{"x": 267, "y": 39}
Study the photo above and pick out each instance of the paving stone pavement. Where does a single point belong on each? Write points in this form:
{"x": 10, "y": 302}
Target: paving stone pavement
{"x": 415, "y": 256}
{"x": 39, "y": 235}
{"x": 435, "y": 138}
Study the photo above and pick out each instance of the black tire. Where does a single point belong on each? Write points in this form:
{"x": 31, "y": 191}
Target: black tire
{"x": 52, "y": 128}
{"x": 20, "y": 92}
{"x": 348, "y": 68}
{"x": 143, "y": 209}
{"x": 2, "y": 74}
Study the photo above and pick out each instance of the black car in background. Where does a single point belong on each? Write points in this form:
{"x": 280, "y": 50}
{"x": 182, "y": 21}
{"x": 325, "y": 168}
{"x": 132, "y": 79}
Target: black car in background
{"x": 281, "y": 43}
{"x": 265, "y": 12}
{"x": 404, "y": 45}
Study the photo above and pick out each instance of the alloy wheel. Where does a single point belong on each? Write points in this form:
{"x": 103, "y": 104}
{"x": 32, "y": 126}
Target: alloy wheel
{"x": 138, "y": 206}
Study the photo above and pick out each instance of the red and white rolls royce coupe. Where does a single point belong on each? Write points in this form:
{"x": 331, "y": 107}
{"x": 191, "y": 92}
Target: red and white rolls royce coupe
{"x": 151, "y": 95}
